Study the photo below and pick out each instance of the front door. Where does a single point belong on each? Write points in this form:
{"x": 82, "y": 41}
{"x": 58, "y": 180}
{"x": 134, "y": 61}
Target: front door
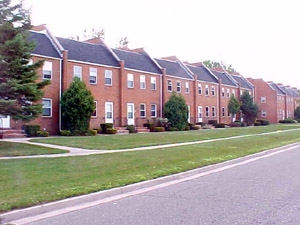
{"x": 200, "y": 114}
{"x": 109, "y": 113}
{"x": 4, "y": 121}
{"x": 130, "y": 114}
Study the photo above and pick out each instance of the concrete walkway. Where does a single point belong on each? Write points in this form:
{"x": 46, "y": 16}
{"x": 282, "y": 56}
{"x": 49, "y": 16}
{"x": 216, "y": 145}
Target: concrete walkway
{"x": 81, "y": 152}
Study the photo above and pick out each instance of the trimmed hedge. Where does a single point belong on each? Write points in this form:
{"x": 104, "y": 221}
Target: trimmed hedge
{"x": 287, "y": 120}
{"x": 264, "y": 122}
{"x": 105, "y": 126}
{"x": 65, "y": 133}
{"x": 42, "y": 133}
{"x": 220, "y": 125}
{"x": 111, "y": 131}
{"x": 31, "y": 130}
{"x": 213, "y": 122}
{"x": 131, "y": 128}
{"x": 159, "y": 129}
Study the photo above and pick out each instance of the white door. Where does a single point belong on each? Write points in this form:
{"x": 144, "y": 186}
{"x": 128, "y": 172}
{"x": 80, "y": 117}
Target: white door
{"x": 189, "y": 113}
{"x": 200, "y": 114}
{"x": 4, "y": 121}
{"x": 109, "y": 112}
{"x": 130, "y": 113}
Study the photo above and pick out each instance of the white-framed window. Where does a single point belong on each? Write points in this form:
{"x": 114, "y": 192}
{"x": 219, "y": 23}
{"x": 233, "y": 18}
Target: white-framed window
{"x": 93, "y": 75}
{"x": 241, "y": 92}
{"x": 153, "y": 110}
{"x": 94, "y": 114}
{"x": 228, "y": 93}
{"x": 233, "y": 92}
{"x": 108, "y": 110}
{"x": 153, "y": 83}
{"x": 206, "y": 90}
{"x": 130, "y": 82}
{"x": 178, "y": 86}
{"x": 108, "y": 77}
{"x": 199, "y": 89}
{"x": 263, "y": 99}
{"x": 187, "y": 87}
{"x": 223, "y": 92}
{"x": 77, "y": 71}
{"x": 223, "y": 111}
{"x": 142, "y": 110}
{"x": 169, "y": 83}
{"x": 47, "y": 70}
{"x": 189, "y": 113}
{"x": 47, "y": 107}
{"x": 207, "y": 111}
{"x": 142, "y": 82}
{"x": 213, "y": 111}
{"x": 263, "y": 114}
{"x": 213, "y": 90}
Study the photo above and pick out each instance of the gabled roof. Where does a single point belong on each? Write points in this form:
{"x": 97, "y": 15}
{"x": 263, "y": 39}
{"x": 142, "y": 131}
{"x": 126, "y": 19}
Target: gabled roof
{"x": 90, "y": 53}
{"x": 137, "y": 61}
{"x": 44, "y": 46}
{"x": 224, "y": 77}
{"x": 174, "y": 68}
{"x": 244, "y": 83}
{"x": 286, "y": 90}
{"x": 276, "y": 88}
{"x": 295, "y": 92}
{"x": 203, "y": 74}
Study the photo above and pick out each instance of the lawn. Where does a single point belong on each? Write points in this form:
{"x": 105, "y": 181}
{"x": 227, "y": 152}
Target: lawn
{"x": 27, "y": 182}
{"x": 9, "y": 149}
{"x": 110, "y": 142}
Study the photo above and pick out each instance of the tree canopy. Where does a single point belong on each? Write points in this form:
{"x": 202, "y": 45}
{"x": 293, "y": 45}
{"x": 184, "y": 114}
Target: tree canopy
{"x": 176, "y": 110}
{"x": 213, "y": 65}
{"x": 19, "y": 89}
{"x": 233, "y": 106}
{"x": 248, "y": 107}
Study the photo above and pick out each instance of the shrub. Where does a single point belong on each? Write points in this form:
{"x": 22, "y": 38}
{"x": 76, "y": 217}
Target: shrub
{"x": 151, "y": 127}
{"x": 159, "y": 129}
{"x": 42, "y": 133}
{"x": 213, "y": 122}
{"x": 287, "y": 120}
{"x": 257, "y": 123}
{"x": 65, "y": 133}
{"x": 131, "y": 128}
{"x": 111, "y": 131}
{"x": 99, "y": 131}
{"x": 220, "y": 125}
{"x": 146, "y": 125}
{"x": 187, "y": 127}
{"x": 31, "y": 130}
{"x": 264, "y": 122}
{"x": 236, "y": 124}
{"x": 173, "y": 129}
{"x": 93, "y": 132}
{"x": 105, "y": 126}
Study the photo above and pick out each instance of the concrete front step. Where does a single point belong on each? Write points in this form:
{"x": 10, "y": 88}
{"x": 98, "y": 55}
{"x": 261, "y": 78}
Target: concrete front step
{"x": 142, "y": 130}
{"x": 12, "y": 134}
{"x": 122, "y": 130}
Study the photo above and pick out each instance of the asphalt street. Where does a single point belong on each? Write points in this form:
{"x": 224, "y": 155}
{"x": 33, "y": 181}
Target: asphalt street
{"x": 262, "y": 191}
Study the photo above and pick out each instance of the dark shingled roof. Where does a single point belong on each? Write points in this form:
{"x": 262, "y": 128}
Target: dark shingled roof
{"x": 276, "y": 88}
{"x": 202, "y": 74}
{"x": 224, "y": 77}
{"x": 173, "y": 68}
{"x": 295, "y": 92}
{"x": 44, "y": 46}
{"x": 86, "y": 52}
{"x": 243, "y": 82}
{"x": 137, "y": 61}
{"x": 287, "y": 90}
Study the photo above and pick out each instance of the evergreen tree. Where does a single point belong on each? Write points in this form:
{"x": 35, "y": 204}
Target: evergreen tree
{"x": 19, "y": 91}
{"x": 249, "y": 108}
{"x": 77, "y": 105}
{"x": 176, "y": 110}
{"x": 297, "y": 113}
{"x": 233, "y": 106}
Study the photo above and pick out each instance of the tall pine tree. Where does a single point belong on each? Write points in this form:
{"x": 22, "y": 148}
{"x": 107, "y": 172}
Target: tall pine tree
{"x": 19, "y": 89}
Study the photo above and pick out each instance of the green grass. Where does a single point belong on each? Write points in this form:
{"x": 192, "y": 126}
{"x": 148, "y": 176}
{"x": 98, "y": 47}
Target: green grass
{"x": 110, "y": 142}
{"x": 9, "y": 149}
{"x": 27, "y": 182}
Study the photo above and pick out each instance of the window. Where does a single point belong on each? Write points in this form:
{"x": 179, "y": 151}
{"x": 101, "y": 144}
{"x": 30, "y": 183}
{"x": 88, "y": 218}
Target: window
{"x": 213, "y": 111}
{"x": 263, "y": 99}
{"x": 153, "y": 110}
{"x": 93, "y": 76}
{"x": 153, "y": 83}
{"x": 130, "y": 83}
{"x": 142, "y": 110}
{"x": 207, "y": 111}
{"x": 47, "y": 70}
{"x": 223, "y": 92}
{"x": 142, "y": 82}
{"x": 223, "y": 111}
{"x": 206, "y": 90}
{"x": 178, "y": 86}
{"x": 241, "y": 92}
{"x": 187, "y": 87}
{"x": 108, "y": 77}
{"x": 108, "y": 110}
{"x": 94, "y": 114}
{"x": 169, "y": 85}
{"x": 228, "y": 93}
{"x": 47, "y": 107}
{"x": 213, "y": 90}
{"x": 199, "y": 89}
{"x": 233, "y": 92}
{"x": 263, "y": 114}
{"x": 77, "y": 72}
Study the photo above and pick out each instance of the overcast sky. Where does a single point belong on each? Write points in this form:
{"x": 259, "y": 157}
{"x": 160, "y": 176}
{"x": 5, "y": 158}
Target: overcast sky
{"x": 260, "y": 38}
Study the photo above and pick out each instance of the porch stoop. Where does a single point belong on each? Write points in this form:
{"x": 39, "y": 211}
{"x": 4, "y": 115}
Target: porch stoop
{"x": 8, "y": 133}
{"x": 122, "y": 130}
{"x": 142, "y": 130}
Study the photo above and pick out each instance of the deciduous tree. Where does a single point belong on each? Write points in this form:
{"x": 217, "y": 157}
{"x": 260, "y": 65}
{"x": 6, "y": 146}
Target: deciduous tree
{"x": 233, "y": 106}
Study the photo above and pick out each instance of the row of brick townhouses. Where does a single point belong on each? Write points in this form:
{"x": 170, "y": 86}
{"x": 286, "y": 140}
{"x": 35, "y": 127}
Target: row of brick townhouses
{"x": 131, "y": 87}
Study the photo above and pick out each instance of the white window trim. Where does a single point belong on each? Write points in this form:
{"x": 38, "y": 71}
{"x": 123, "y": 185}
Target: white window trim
{"x": 130, "y": 80}
{"x": 213, "y": 91}
{"x": 142, "y": 82}
{"x": 206, "y": 111}
{"x": 178, "y": 86}
{"x": 47, "y": 67}
{"x": 48, "y": 99}
{"x": 75, "y": 74}
{"x": 95, "y": 110}
{"x": 169, "y": 85}
{"x": 153, "y": 82}
{"x": 263, "y": 99}
{"x": 154, "y": 111}
{"x": 199, "y": 88}
{"x": 213, "y": 111}
{"x": 145, "y": 110}
{"x": 187, "y": 87}
{"x": 108, "y": 75}
{"x": 93, "y": 74}
{"x": 206, "y": 90}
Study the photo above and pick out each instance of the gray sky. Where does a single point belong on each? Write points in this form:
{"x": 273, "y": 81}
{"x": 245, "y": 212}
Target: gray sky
{"x": 260, "y": 38}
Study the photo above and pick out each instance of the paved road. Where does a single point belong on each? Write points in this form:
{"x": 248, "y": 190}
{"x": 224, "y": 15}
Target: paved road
{"x": 262, "y": 191}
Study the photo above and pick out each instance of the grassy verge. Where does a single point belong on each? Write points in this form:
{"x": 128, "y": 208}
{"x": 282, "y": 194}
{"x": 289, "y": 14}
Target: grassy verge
{"x": 110, "y": 142}
{"x": 34, "y": 181}
{"x": 8, "y": 149}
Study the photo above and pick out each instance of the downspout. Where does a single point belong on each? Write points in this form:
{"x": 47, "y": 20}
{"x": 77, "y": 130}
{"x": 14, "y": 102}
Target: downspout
{"x": 162, "y": 91}
{"x": 60, "y": 95}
